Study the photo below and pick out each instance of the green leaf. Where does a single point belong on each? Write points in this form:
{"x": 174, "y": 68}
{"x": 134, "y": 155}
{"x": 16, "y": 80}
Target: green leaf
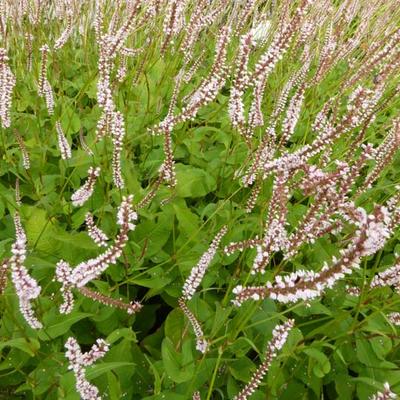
{"x": 29, "y": 346}
{"x": 323, "y": 365}
{"x": 174, "y": 325}
{"x": 193, "y": 182}
{"x": 97, "y": 370}
{"x": 125, "y": 333}
{"x": 365, "y": 353}
{"x": 179, "y": 366}
{"x": 58, "y": 324}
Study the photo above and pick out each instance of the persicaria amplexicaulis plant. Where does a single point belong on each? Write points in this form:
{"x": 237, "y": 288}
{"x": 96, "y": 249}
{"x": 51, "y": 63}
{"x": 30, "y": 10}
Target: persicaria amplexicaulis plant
{"x": 199, "y": 199}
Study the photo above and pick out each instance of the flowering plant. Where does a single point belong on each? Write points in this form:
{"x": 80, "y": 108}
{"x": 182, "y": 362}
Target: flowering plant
{"x": 199, "y": 199}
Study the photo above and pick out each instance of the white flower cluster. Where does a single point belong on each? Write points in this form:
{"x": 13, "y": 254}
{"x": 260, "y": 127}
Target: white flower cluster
{"x": 236, "y": 106}
{"x": 118, "y": 133}
{"x": 206, "y": 92}
{"x": 279, "y": 45}
{"x": 88, "y": 270}
{"x": 394, "y": 318}
{"x": 280, "y": 335}
{"x": 199, "y": 20}
{"x": 63, "y": 145}
{"x": 44, "y": 89}
{"x": 26, "y": 163}
{"x": 386, "y": 394}
{"x": 167, "y": 168}
{"x": 84, "y": 193}
{"x": 126, "y": 216}
{"x": 63, "y": 275}
{"x": 292, "y": 115}
{"x": 263, "y": 156}
{"x": 388, "y": 277}
{"x": 48, "y": 97}
{"x": 201, "y": 342}
{"x": 197, "y": 273}
{"x": 92, "y": 268}
{"x": 305, "y": 285}
{"x": 95, "y": 233}
{"x": 383, "y": 154}
{"x": 174, "y": 19}
{"x": 377, "y": 232}
{"x": 7, "y": 83}
{"x": 78, "y": 362}
{"x": 60, "y": 42}
{"x": 279, "y": 338}
{"x": 26, "y": 287}
{"x": 361, "y": 104}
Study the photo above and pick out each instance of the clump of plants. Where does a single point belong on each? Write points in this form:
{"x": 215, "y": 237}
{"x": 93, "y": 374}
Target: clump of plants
{"x": 199, "y": 199}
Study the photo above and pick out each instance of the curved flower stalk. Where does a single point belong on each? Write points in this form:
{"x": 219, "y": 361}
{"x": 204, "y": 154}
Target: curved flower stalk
{"x": 173, "y": 21}
{"x": 28, "y": 47}
{"x": 4, "y": 266}
{"x": 83, "y": 194}
{"x": 78, "y": 361}
{"x": 88, "y": 270}
{"x": 95, "y": 233}
{"x": 63, "y": 145}
{"x": 275, "y": 236}
{"x": 208, "y": 89}
{"x": 361, "y": 108}
{"x": 263, "y": 155}
{"x": 292, "y": 115}
{"x": 331, "y": 197}
{"x": 26, "y": 163}
{"x": 131, "y": 308}
{"x": 386, "y": 394}
{"x": 193, "y": 282}
{"x": 44, "y": 88}
{"x": 60, "y": 42}
{"x": 243, "y": 14}
{"x": 201, "y": 342}
{"x": 167, "y": 168}
{"x": 198, "y": 21}
{"x": 296, "y": 80}
{"x": 83, "y": 143}
{"x": 383, "y": 155}
{"x": 372, "y": 232}
{"x": 110, "y": 45}
{"x": 26, "y": 287}
{"x": 268, "y": 61}
{"x": 198, "y": 272}
{"x": 188, "y": 75}
{"x": 388, "y": 277}
{"x": 279, "y": 338}
{"x": 122, "y": 69}
{"x": 63, "y": 276}
{"x": 236, "y": 106}
{"x": 7, "y": 83}
{"x": 48, "y": 96}
{"x": 118, "y": 133}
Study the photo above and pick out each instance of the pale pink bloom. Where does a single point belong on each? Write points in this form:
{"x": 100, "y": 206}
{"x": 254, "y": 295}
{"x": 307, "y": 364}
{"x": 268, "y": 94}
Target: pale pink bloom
{"x": 78, "y": 362}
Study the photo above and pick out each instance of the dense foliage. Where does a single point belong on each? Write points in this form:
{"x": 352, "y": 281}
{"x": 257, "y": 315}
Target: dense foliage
{"x": 258, "y": 139}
